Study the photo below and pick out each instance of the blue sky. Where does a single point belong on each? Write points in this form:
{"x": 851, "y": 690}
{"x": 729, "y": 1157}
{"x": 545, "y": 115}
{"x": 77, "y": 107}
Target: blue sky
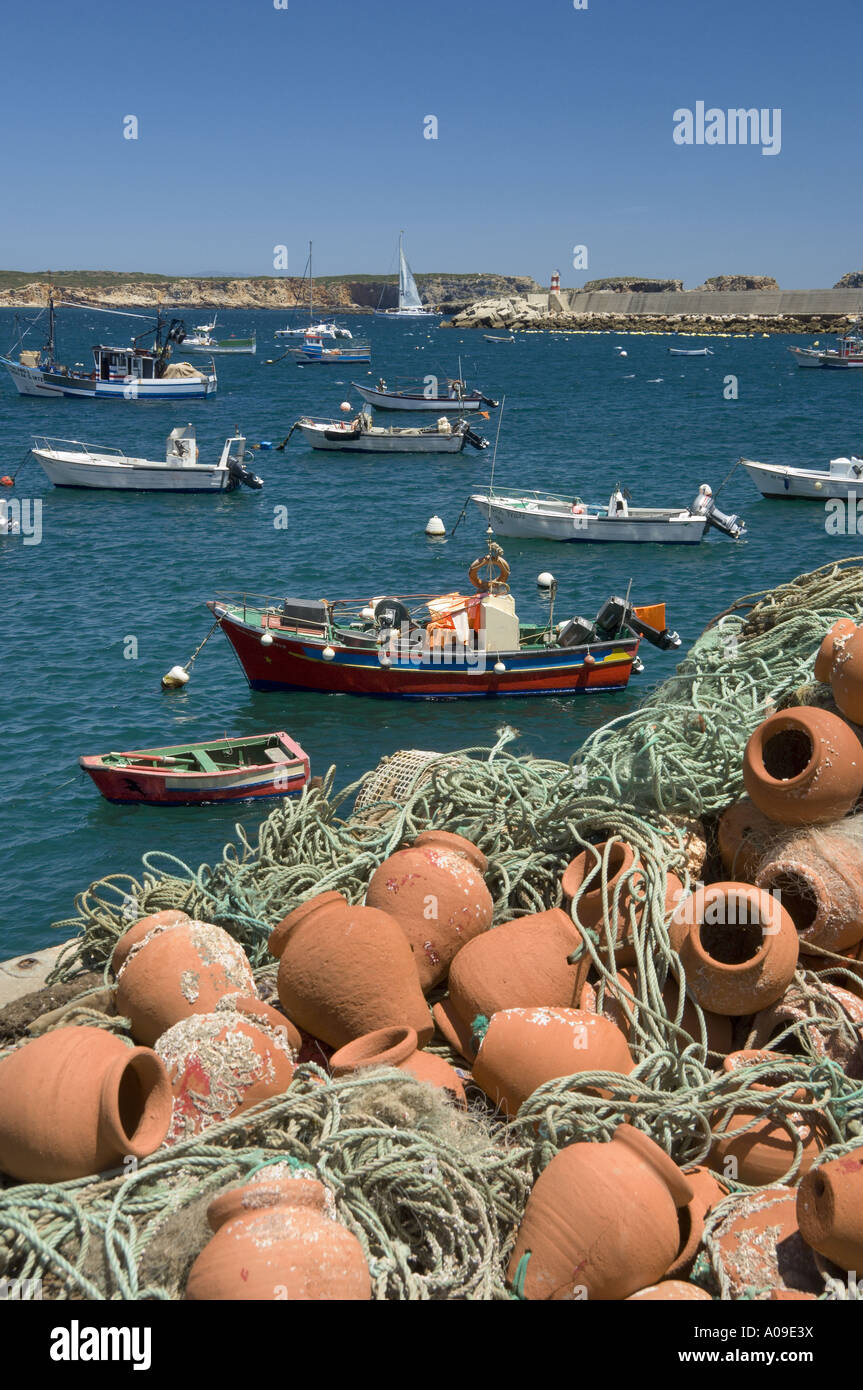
{"x": 261, "y": 127}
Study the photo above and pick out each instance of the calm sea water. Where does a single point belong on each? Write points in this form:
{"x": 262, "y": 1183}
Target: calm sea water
{"x": 579, "y": 416}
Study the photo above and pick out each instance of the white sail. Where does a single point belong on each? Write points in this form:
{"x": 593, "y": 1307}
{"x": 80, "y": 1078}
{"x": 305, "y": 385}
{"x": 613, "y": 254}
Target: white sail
{"x": 408, "y": 293}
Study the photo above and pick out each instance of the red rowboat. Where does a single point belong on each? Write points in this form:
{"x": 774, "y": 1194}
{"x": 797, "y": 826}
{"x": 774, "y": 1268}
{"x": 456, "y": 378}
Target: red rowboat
{"x": 191, "y": 774}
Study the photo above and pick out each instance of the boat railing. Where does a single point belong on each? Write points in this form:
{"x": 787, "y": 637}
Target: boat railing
{"x": 525, "y": 494}
{"x": 47, "y": 441}
{"x": 342, "y": 608}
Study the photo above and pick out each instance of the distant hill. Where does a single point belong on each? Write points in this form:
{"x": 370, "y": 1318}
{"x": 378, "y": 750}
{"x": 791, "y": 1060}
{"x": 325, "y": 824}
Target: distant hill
{"x": 341, "y": 292}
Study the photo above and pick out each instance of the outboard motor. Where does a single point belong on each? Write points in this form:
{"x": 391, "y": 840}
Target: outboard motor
{"x": 578, "y": 632}
{"x": 730, "y": 524}
{"x": 616, "y": 613}
{"x": 704, "y": 505}
{"x": 241, "y": 474}
{"x": 471, "y": 437}
{"x": 177, "y": 331}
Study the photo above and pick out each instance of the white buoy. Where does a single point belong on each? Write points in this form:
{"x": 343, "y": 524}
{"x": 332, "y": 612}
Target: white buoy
{"x": 367, "y": 614}
{"x": 435, "y": 527}
{"x": 384, "y": 659}
{"x": 545, "y": 580}
{"x": 346, "y": 406}
{"x": 175, "y": 678}
{"x": 499, "y": 667}
{"x": 328, "y": 653}
{"x": 266, "y": 639}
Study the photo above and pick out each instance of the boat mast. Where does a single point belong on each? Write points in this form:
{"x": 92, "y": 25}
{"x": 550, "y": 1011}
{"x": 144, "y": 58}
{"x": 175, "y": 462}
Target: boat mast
{"x": 49, "y": 346}
{"x": 311, "y": 288}
{"x": 401, "y": 263}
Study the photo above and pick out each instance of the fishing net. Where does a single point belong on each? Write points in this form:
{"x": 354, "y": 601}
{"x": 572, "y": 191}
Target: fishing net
{"x": 436, "y": 1196}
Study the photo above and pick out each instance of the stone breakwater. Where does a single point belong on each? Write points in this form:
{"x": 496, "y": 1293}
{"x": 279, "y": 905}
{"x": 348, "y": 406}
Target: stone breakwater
{"x": 816, "y": 314}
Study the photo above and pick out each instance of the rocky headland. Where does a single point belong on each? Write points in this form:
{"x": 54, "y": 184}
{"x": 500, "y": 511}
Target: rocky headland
{"x": 343, "y": 294}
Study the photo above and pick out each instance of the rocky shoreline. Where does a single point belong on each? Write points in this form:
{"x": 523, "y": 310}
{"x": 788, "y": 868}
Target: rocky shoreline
{"x": 344, "y": 295}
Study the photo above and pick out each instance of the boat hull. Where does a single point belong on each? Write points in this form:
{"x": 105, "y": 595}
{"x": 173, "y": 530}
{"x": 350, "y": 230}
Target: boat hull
{"x": 534, "y": 525}
{"x": 34, "y": 381}
{"x": 131, "y": 475}
{"x": 368, "y": 443}
{"x": 775, "y": 481}
{"x": 159, "y": 786}
{"x": 388, "y": 400}
{"x": 290, "y": 663}
{"x": 807, "y": 357}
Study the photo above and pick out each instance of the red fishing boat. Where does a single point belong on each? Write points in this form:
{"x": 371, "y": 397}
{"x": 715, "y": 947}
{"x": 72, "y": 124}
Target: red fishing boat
{"x": 436, "y": 647}
{"x": 190, "y": 774}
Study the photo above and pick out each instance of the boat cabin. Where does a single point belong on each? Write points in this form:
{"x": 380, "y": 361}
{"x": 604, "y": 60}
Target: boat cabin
{"x": 846, "y": 468}
{"x": 118, "y": 364}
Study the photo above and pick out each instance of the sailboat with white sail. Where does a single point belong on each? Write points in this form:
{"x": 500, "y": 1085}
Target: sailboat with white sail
{"x": 410, "y": 305}
{"x": 324, "y": 329}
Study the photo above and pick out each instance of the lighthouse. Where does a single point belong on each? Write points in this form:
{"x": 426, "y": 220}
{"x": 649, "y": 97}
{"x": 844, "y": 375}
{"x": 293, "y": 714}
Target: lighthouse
{"x": 555, "y": 283}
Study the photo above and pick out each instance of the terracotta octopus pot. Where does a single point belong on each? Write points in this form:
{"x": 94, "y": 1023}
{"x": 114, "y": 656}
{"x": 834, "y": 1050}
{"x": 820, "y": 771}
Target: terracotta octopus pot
{"x": 846, "y": 673}
{"x": 524, "y": 1048}
{"x": 832, "y": 647}
{"x": 618, "y": 1005}
{"x": 584, "y": 875}
{"x": 602, "y": 1220}
{"x": 345, "y": 971}
{"x": 819, "y": 877}
{"x": 78, "y": 1101}
{"x": 744, "y": 834}
{"x": 398, "y": 1048}
{"x": 670, "y": 1291}
{"x": 738, "y": 947}
{"x": 803, "y": 766}
{"x": 278, "y": 1239}
{"x": 220, "y": 1064}
{"x": 178, "y": 970}
{"x": 521, "y": 964}
{"x": 794, "y": 1011}
{"x": 760, "y": 1249}
{"x": 830, "y": 1210}
{"x": 436, "y": 892}
{"x": 171, "y": 917}
{"x": 707, "y": 1192}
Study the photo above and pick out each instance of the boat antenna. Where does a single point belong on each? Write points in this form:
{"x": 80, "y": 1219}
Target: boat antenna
{"x": 496, "y": 438}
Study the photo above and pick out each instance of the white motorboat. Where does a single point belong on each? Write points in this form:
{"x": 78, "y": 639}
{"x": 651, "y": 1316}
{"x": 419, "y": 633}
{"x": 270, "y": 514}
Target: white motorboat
{"x": 691, "y": 352}
{"x": 71, "y": 463}
{"x": 325, "y": 329}
{"x": 236, "y": 346}
{"x": 410, "y": 304}
{"x": 455, "y": 395}
{"x": 317, "y": 330}
{"x": 843, "y": 477}
{"x": 362, "y": 436}
{"x": 546, "y": 516}
{"x": 499, "y": 338}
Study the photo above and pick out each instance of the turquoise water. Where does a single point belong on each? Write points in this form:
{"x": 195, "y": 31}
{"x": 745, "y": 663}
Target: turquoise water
{"x": 110, "y": 566}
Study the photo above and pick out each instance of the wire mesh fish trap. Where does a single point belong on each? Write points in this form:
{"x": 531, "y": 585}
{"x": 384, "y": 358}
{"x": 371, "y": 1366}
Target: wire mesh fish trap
{"x": 395, "y": 778}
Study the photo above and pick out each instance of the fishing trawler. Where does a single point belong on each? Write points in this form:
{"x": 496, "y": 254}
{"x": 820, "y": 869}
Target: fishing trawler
{"x": 120, "y": 373}
{"x": 436, "y": 646}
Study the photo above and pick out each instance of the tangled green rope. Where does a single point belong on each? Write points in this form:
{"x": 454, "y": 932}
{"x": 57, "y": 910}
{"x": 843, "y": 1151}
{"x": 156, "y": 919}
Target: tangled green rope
{"x": 436, "y": 1209}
